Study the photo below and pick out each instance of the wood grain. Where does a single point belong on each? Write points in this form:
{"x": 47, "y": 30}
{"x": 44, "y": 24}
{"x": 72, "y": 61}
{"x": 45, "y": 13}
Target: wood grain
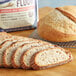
{"x": 22, "y": 33}
{"x": 64, "y": 70}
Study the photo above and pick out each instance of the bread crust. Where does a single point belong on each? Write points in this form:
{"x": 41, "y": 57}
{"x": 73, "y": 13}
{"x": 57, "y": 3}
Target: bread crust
{"x": 54, "y": 35}
{"x": 4, "y": 33}
{"x": 4, "y": 57}
{"x": 5, "y": 53}
{"x": 13, "y": 58}
{"x": 51, "y": 34}
{"x": 13, "y": 63}
{"x": 4, "y": 37}
{"x": 1, "y": 65}
{"x": 23, "y": 65}
{"x": 14, "y": 54}
{"x": 35, "y": 66}
{"x": 67, "y": 14}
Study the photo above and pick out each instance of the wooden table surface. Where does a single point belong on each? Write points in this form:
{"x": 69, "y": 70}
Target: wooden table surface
{"x": 64, "y": 70}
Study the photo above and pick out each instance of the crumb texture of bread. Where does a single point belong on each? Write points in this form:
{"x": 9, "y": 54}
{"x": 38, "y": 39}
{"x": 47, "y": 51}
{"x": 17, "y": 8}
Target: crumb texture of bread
{"x": 50, "y": 57}
{"x": 30, "y": 52}
{"x": 3, "y": 47}
{"x": 26, "y": 53}
{"x": 5, "y": 36}
{"x": 19, "y": 52}
{"x": 7, "y": 57}
{"x": 47, "y": 57}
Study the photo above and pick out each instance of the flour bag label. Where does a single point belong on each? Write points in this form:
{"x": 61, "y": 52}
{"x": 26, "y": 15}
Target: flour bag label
{"x": 18, "y": 15}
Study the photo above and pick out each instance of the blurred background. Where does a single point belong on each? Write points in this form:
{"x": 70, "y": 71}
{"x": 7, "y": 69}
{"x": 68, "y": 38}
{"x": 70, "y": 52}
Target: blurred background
{"x": 56, "y": 3}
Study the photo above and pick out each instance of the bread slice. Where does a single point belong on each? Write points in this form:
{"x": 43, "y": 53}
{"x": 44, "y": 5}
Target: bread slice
{"x": 5, "y": 36}
{"x": 25, "y": 60}
{"x": 49, "y": 58}
{"x": 19, "y": 52}
{"x": 9, "y": 51}
{"x": 20, "y": 38}
{"x": 5, "y": 45}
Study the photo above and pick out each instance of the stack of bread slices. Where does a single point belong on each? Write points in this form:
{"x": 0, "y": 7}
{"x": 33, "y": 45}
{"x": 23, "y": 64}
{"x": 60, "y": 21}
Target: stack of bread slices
{"x": 27, "y": 53}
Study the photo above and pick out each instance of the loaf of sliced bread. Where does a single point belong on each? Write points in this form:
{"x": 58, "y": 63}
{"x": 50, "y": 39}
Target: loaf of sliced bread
{"x": 3, "y": 47}
{"x": 49, "y": 58}
{"x": 26, "y": 53}
{"x": 5, "y": 36}
{"x": 10, "y": 50}
{"x": 25, "y": 60}
{"x": 19, "y": 52}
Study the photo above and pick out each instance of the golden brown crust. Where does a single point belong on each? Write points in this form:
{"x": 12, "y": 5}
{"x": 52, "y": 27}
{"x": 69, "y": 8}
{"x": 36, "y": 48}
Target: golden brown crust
{"x": 23, "y": 65}
{"x": 50, "y": 34}
{"x": 13, "y": 58}
{"x": 70, "y": 16}
{"x": 35, "y": 66}
{"x": 70, "y": 9}
{"x": 42, "y": 10}
{"x": 4, "y": 61}
{"x": 5, "y": 55}
{"x": 4, "y": 37}
{"x": 13, "y": 62}
{"x": 1, "y": 65}
{"x": 4, "y": 33}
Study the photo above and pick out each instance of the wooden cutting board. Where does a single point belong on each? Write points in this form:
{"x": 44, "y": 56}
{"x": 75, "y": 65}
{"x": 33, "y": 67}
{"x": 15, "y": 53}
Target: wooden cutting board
{"x": 64, "y": 70}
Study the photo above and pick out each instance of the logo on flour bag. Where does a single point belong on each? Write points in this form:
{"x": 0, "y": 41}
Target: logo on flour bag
{"x": 4, "y": 1}
{"x": 24, "y": 2}
{"x": 17, "y": 3}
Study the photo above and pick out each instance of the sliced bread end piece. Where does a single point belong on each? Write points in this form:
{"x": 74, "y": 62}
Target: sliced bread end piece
{"x": 3, "y": 47}
{"x": 49, "y": 58}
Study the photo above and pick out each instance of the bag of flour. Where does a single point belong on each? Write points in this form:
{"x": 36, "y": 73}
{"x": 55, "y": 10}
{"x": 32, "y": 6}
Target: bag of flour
{"x": 18, "y": 15}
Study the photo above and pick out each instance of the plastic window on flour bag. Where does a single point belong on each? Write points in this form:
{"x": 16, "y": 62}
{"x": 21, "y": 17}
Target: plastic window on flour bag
{"x": 18, "y": 15}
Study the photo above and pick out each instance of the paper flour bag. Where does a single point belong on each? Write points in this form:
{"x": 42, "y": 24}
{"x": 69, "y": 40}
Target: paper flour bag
{"x": 18, "y": 15}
